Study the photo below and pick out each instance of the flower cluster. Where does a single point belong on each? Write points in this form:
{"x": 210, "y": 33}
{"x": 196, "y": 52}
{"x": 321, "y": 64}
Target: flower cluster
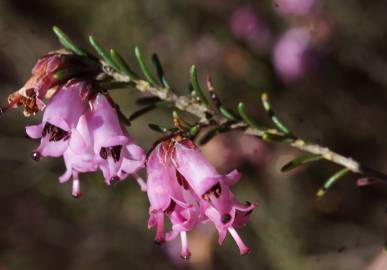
{"x": 183, "y": 186}
{"x": 80, "y": 123}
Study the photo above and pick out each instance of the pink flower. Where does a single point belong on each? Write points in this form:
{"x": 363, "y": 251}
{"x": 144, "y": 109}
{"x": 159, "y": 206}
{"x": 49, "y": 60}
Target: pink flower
{"x": 115, "y": 151}
{"x": 79, "y": 157}
{"x": 185, "y": 187}
{"x": 248, "y": 26}
{"x": 290, "y": 53}
{"x": 166, "y": 198}
{"x": 221, "y": 207}
{"x": 59, "y": 119}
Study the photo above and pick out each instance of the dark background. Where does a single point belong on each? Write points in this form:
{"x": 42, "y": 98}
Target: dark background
{"x": 337, "y": 98}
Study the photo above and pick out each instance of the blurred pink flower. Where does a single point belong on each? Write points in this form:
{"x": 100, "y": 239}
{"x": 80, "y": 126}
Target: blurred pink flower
{"x": 248, "y": 26}
{"x": 289, "y": 53}
{"x": 293, "y": 7}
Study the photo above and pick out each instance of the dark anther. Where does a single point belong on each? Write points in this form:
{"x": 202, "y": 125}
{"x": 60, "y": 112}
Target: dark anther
{"x": 114, "y": 180}
{"x": 186, "y": 257}
{"x": 36, "y": 156}
{"x": 103, "y": 153}
{"x": 116, "y": 152}
{"x": 247, "y": 203}
{"x": 159, "y": 241}
{"x": 226, "y": 218}
{"x": 216, "y": 190}
{"x": 182, "y": 181}
{"x": 46, "y": 129}
{"x": 170, "y": 208}
{"x": 55, "y": 133}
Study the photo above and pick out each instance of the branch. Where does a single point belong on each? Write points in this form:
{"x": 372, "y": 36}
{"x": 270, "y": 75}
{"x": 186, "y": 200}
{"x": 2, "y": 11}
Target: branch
{"x": 193, "y": 106}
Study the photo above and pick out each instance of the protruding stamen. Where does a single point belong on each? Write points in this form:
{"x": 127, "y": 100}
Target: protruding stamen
{"x": 185, "y": 253}
{"x": 76, "y": 191}
{"x": 140, "y": 182}
{"x": 243, "y": 249}
{"x": 160, "y": 239}
{"x": 36, "y": 155}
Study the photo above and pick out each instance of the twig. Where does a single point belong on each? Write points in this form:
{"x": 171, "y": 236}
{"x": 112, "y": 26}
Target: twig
{"x": 193, "y": 106}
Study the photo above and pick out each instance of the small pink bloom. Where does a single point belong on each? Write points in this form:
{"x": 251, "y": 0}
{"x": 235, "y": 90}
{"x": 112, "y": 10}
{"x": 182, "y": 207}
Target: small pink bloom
{"x": 79, "y": 156}
{"x": 166, "y": 198}
{"x": 59, "y": 119}
{"x": 116, "y": 153}
{"x": 289, "y": 54}
{"x": 248, "y": 26}
{"x": 213, "y": 189}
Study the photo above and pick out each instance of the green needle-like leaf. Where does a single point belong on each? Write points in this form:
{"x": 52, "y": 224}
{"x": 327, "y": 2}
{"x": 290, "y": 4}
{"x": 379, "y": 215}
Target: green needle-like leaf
{"x": 300, "y": 161}
{"x": 141, "y": 112}
{"x": 122, "y": 65}
{"x": 160, "y": 71}
{"x": 269, "y": 110}
{"x": 246, "y": 118}
{"x": 194, "y": 130}
{"x": 157, "y": 128}
{"x": 148, "y": 75}
{"x": 229, "y": 114}
{"x": 331, "y": 181}
{"x": 196, "y": 86}
{"x": 102, "y": 53}
{"x": 67, "y": 42}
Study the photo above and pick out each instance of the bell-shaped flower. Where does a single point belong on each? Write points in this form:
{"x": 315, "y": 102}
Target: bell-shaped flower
{"x": 79, "y": 157}
{"x": 213, "y": 189}
{"x": 184, "y": 186}
{"x": 59, "y": 119}
{"x": 167, "y": 199}
{"x": 116, "y": 153}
